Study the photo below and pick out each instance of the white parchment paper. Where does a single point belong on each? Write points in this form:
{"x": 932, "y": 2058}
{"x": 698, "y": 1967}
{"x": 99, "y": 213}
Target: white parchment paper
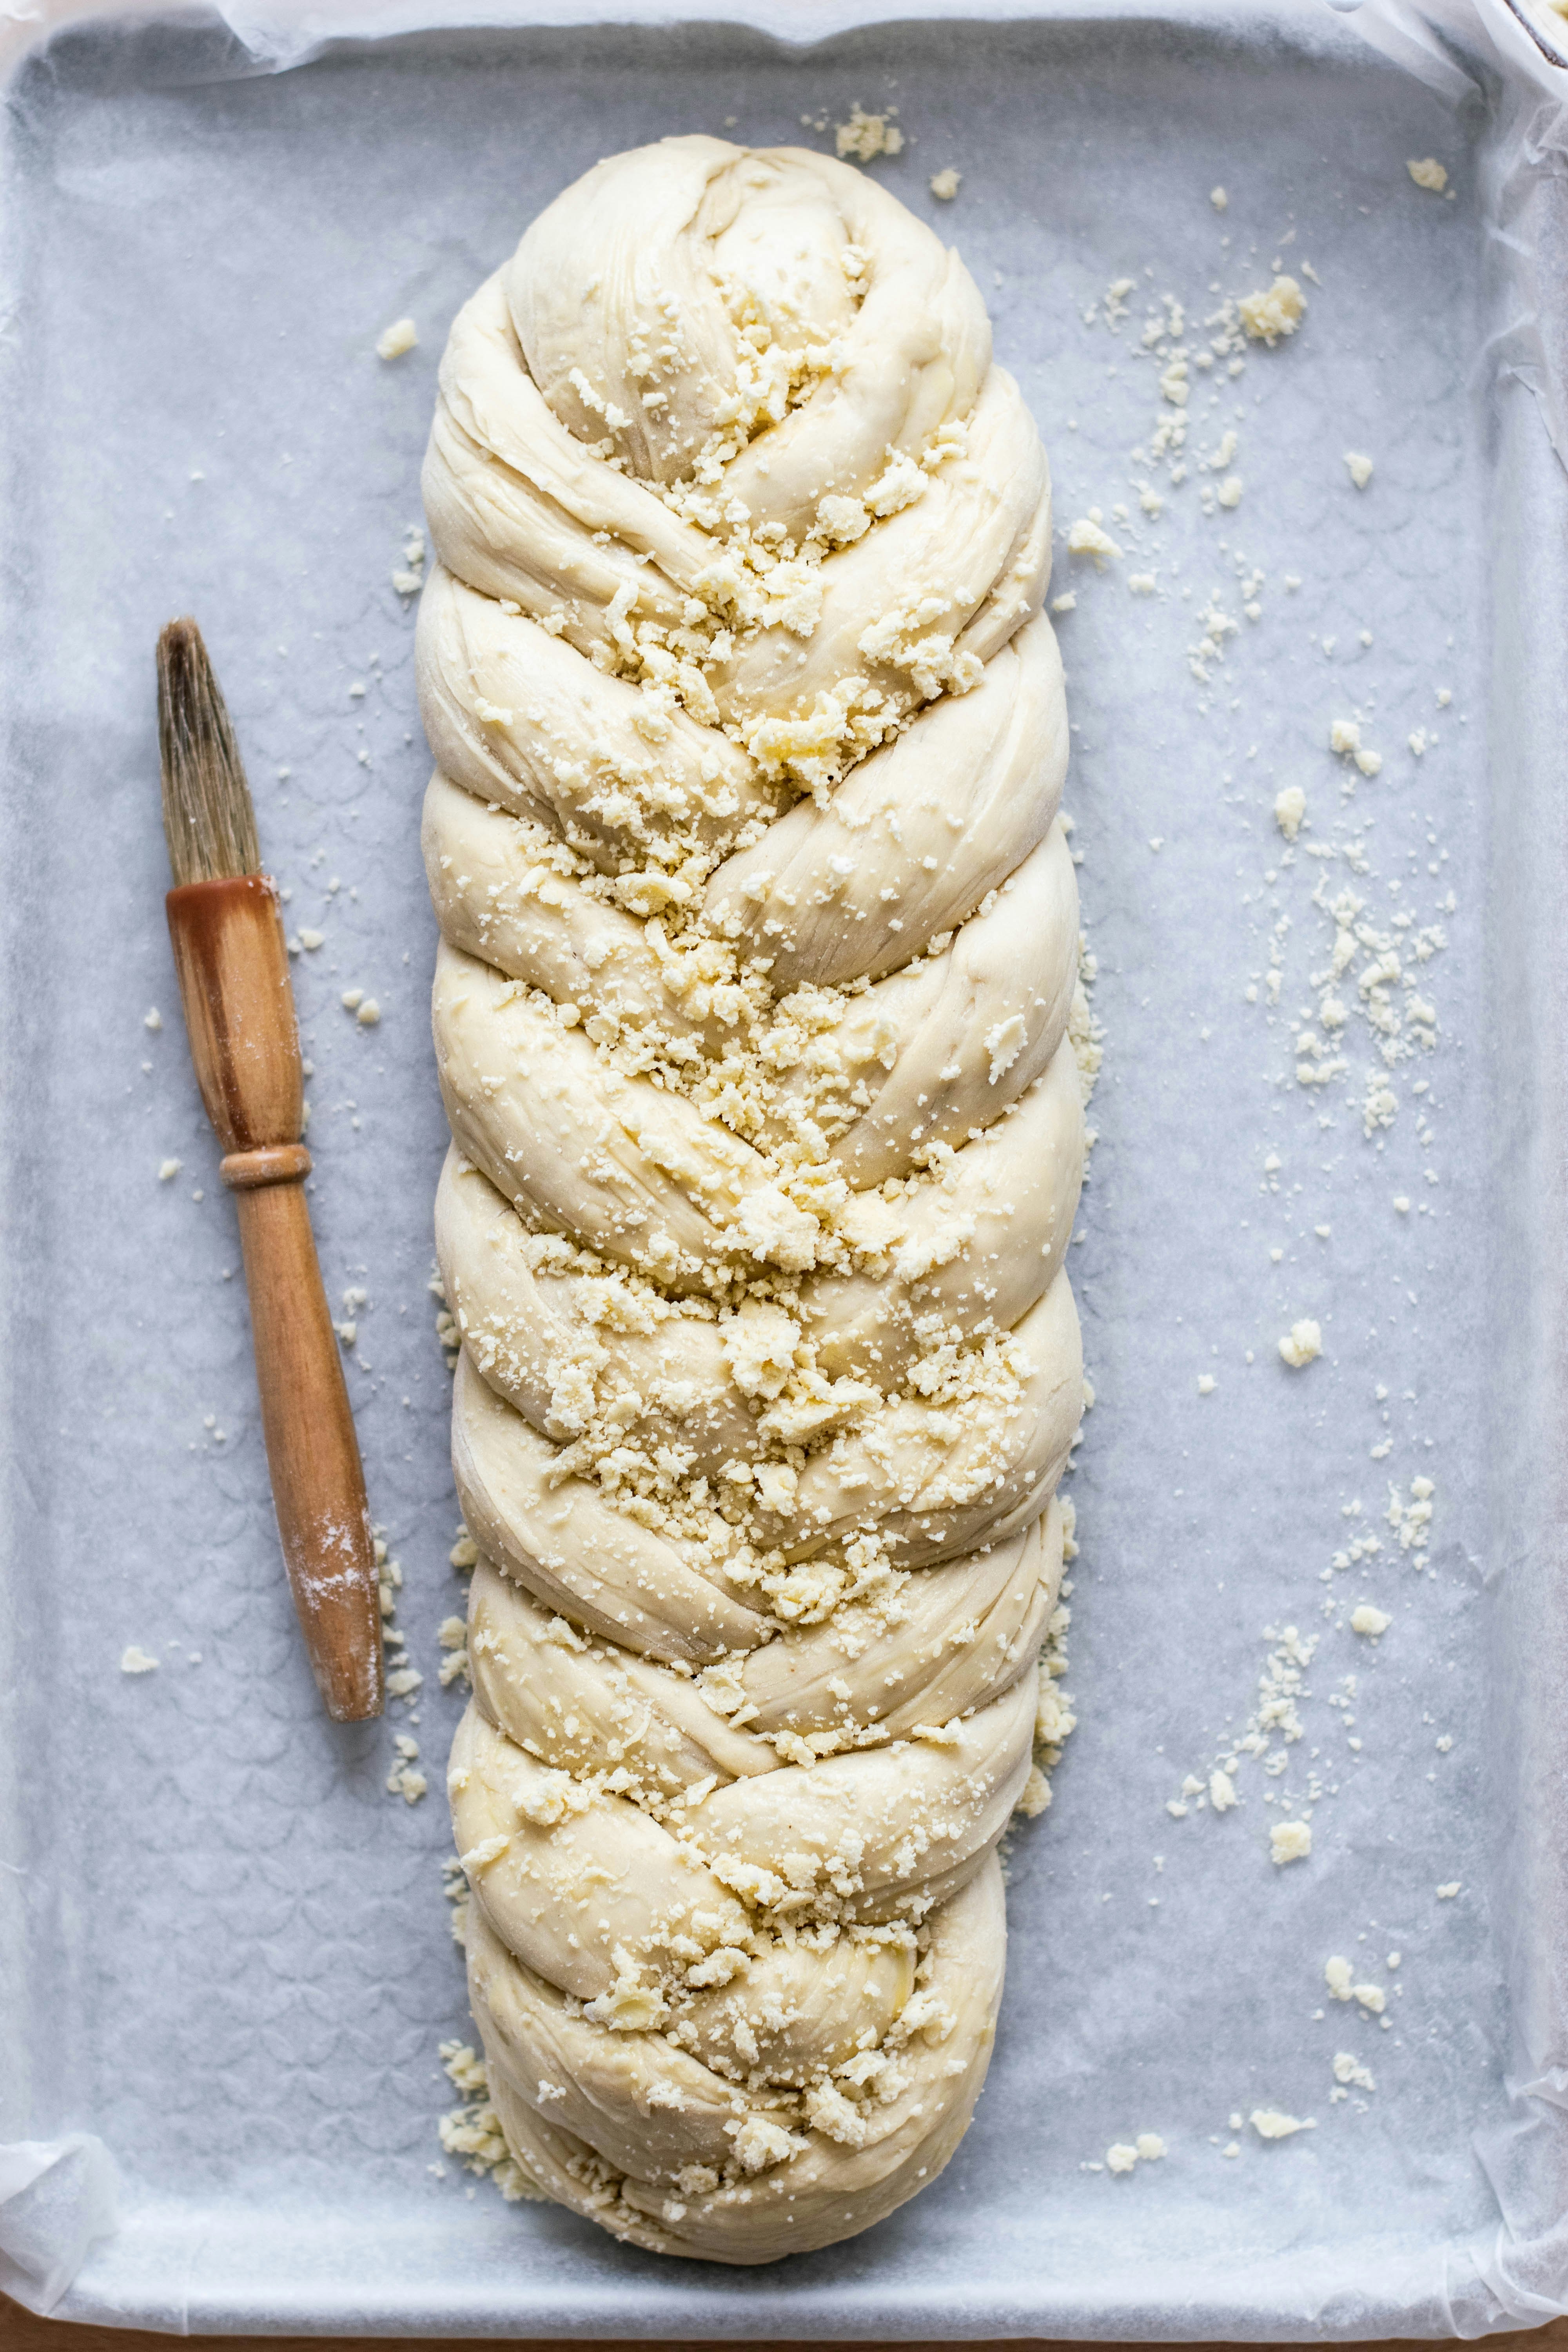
{"x": 223, "y": 1946}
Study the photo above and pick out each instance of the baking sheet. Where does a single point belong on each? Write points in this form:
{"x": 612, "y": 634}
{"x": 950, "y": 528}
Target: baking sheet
{"x": 226, "y": 1953}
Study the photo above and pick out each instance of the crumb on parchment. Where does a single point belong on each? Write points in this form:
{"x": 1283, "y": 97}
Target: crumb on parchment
{"x": 1302, "y": 1344}
{"x": 1290, "y": 808}
{"x": 1428, "y": 172}
{"x": 1274, "y": 312}
{"x": 1288, "y": 1842}
{"x": 1269, "y": 2123}
{"x": 865, "y": 136}
{"x": 1088, "y": 537}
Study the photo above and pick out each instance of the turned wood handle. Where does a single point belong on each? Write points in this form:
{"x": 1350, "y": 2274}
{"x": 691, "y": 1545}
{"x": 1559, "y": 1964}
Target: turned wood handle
{"x": 318, "y": 1487}
{"x": 233, "y": 969}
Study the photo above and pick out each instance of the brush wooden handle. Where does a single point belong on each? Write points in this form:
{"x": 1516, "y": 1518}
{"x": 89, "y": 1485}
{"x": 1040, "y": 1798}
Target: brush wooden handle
{"x": 318, "y": 1487}
{"x": 233, "y": 970}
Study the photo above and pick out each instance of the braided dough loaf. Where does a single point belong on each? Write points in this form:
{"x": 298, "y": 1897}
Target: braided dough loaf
{"x": 759, "y": 950}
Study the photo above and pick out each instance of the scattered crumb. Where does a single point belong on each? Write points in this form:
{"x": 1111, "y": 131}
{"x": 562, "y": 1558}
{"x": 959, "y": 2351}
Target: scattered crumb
{"x": 1370, "y": 1621}
{"x": 1402, "y": 1203}
{"x": 1273, "y": 312}
{"x": 455, "y": 1888}
{"x": 411, "y": 578}
{"x": 368, "y": 1013}
{"x": 1446, "y": 1893}
{"x": 1428, "y": 173}
{"x": 1141, "y": 583}
{"x": 865, "y": 136}
{"x": 447, "y": 1331}
{"x": 1411, "y": 1521}
{"x": 1349, "y": 2068}
{"x": 1269, "y": 2124}
{"x": 133, "y": 1661}
{"x": 1339, "y": 1975}
{"x": 1119, "y": 2157}
{"x": 311, "y": 940}
{"x": 402, "y": 1781}
{"x": 1290, "y": 808}
{"x": 1229, "y": 491}
{"x": 453, "y": 1635}
{"x": 1222, "y": 1791}
{"x": 1086, "y": 536}
{"x": 167, "y": 1171}
{"x": 1066, "y": 603}
{"x": 946, "y": 184}
{"x": 1288, "y": 1842}
{"x": 394, "y": 341}
{"x": 1219, "y": 199}
{"x": 1302, "y": 1344}
{"x": 352, "y": 999}
{"x": 1122, "y": 2155}
{"x": 1344, "y": 737}
{"x": 472, "y": 2131}
{"x": 1150, "y": 2147}
{"x": 1206, "y": 1384}
{"x": 1360, "y": 467}
{"x": 153, "y": 1019}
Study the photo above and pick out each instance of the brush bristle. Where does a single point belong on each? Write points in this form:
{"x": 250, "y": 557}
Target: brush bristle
{"x": 209, "y": 822}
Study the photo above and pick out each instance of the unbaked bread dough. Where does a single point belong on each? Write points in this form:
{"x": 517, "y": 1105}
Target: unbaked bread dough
{"x": 759, "y": 950}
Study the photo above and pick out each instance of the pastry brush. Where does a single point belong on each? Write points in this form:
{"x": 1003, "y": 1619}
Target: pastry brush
{"x": 233, "y": 967}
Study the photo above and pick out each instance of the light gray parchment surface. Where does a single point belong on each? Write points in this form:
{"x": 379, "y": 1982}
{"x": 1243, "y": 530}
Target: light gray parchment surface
{"x": 225, "y": 1951}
